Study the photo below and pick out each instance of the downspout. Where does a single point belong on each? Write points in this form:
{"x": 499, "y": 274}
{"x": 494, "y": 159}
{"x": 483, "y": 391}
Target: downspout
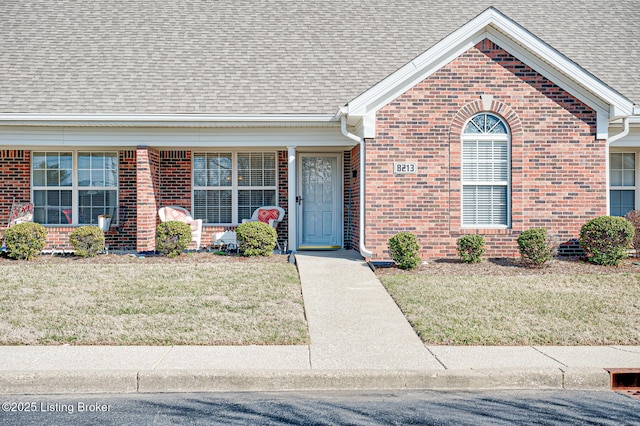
{"x": 625, "y": 132}
{"x": 343, "y": 126}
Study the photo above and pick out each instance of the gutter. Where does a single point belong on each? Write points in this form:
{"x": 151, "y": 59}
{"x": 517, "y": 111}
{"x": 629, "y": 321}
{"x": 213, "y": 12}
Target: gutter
{"x": 625, "y": 132}
{"x": 343, "y": 126}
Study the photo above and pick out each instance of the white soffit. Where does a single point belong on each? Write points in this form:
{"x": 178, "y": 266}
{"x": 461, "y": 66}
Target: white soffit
{"x": 168, "y": 120}
{"x": 187, "y": 137}
{"x": 520, "y": 43}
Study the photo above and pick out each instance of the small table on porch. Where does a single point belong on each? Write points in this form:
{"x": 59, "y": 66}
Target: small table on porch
{"x": 226, "y": 240}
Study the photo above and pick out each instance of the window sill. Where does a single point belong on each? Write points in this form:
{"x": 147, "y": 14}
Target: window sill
{"x": 487, "y": 231}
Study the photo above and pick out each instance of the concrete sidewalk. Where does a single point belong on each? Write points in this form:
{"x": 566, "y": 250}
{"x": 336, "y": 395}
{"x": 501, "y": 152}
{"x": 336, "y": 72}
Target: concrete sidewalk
{"x": 359, "y": 340}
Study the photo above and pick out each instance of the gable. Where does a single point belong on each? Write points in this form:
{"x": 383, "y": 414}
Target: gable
{"x": 489, "y": 78}
{"x": 494, "y": 26}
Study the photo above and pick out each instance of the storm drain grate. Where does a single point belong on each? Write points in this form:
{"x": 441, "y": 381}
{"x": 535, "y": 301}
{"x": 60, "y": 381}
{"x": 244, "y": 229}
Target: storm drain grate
{"x": 625, "y": 381}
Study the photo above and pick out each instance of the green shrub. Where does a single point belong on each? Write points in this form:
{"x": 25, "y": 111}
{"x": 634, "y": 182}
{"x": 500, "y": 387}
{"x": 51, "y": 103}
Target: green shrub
{"x": 535, "y": 247}
{"x": 87, "y": 241}
{"x": 256, "y": 239}
{"x": 471, "y": 248}
{"x": 605, "y": 239}
{"x": 25, "y": 240}
{"x": 405, "y": 250}
{"x": 172, "y": 237}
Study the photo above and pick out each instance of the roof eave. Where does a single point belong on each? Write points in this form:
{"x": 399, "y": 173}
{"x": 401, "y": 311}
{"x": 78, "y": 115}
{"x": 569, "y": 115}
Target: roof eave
{"x": 168, "y": 120}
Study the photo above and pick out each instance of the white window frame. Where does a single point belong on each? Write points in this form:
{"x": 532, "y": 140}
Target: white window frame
{"x": 234, "y": 187}
{"x": 635, "y": 187}
{"x": 479, "y": 137}
{"x": 75, "y": 188}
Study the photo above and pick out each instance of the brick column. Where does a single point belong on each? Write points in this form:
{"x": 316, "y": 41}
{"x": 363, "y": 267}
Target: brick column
{"x": 147, "y": 168}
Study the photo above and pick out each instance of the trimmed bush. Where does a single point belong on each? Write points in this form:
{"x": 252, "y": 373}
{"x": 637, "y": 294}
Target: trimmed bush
{"x": 404, "y": 250}
{"x": 256, "y": 239}
{"x": 605, "y": 239}
{"x": 25, "y": 240}
{"x": 471, "y": 248}
{"x": 634, "y": 217}
{"x": 535, "y": 247}
{"x": 87, "y": 241}
{"x": 172, "y": 237}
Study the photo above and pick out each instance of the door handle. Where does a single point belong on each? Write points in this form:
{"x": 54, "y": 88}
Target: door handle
{"x": 298, "y": 199}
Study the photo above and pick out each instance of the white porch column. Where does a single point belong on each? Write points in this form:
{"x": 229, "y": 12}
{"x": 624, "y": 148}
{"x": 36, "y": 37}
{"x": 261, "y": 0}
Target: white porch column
{"x": 292, "y": 206}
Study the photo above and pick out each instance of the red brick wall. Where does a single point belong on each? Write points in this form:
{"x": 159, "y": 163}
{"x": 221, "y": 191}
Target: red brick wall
{"x": 283, "y": 196}
{"x": 352, "y": 197}
{"x": 175, "y": 179}
{"x": 147, "y": 178}
{"x": 557, "y": 165}
{"x": 16, "y": 177}
{"x": 123, "y": 237}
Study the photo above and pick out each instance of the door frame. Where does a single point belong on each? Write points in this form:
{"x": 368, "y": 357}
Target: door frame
{"x": 338, "y": 205}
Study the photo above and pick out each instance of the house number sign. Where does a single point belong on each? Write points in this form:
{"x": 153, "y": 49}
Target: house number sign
{"x": 404, "y": 168}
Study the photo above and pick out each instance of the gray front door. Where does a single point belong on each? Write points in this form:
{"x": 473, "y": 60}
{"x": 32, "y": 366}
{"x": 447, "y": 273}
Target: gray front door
{"x": 320, "y": 206}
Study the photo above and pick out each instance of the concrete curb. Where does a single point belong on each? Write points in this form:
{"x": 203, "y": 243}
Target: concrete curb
{"x": 164, "y": 381}
{"x": 67, "y": 382}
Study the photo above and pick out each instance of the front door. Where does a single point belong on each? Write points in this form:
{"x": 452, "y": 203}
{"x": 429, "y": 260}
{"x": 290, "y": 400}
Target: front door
{"x": 320, "y": 205}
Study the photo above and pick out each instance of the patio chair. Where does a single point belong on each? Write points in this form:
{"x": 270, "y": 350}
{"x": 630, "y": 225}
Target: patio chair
{"x": 181, "y": 214}
{"x": 271, "y": 215}
{"x": 20, "y": 213}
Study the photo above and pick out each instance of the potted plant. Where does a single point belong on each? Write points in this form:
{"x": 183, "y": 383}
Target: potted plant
{"x": 104, "y": 222}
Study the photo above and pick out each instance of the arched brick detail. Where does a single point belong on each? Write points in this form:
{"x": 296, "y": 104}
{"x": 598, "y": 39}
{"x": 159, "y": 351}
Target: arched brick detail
{"x": 514, "y": 123}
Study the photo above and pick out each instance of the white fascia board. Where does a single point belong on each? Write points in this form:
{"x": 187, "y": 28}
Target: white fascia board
{"x": 566, "y": 83}
{"x": 562, "y": 63}
{"x": 494, "y": 25}
{"x": 169, "y": 120}
{"x": 176, "y": 138}
{"x": 418, "y": 69}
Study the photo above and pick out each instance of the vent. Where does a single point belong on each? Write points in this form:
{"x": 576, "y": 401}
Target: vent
{"x": 625, "y": 381}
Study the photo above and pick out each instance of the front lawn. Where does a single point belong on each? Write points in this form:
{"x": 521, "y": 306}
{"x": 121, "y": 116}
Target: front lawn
{"x": 528, "y": 308}
{"x": 205, "y": 300}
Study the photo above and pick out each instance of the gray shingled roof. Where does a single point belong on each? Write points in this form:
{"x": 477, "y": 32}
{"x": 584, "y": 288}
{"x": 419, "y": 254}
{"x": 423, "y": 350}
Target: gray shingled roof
{"x": 250, "y": 57}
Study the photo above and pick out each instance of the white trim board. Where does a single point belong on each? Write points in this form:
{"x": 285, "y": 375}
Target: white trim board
{"x": 268, "y": 137}
{"x": 164, "y": 120}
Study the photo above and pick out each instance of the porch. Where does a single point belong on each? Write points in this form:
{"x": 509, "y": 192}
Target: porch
{"x": 313, "y": 180}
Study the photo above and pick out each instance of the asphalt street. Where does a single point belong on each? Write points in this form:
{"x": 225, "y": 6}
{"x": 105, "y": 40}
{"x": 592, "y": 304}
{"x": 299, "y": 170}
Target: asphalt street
{"x": 327, "y": 408}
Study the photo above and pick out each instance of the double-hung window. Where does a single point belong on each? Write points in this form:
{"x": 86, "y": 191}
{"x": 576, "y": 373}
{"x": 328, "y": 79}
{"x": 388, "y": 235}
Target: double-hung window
{"x": 622, "y": 183}
{"x": 73, "y": 188}
{"x": 485, "y": 172}
{"x": 229, "y": 186}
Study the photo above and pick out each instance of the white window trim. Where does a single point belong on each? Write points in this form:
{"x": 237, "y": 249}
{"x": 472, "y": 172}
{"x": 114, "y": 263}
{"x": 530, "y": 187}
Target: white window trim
{"x": 75, "y": 188}
{"x": 636, "y": 187}
{"x": 234, "y": 187}
{"x": 469, "y": 137}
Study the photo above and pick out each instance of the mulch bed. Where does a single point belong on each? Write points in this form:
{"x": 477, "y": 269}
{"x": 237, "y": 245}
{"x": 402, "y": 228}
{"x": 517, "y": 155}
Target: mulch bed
{"x": 514, "y": 266}
{"x": 191, "y": 257}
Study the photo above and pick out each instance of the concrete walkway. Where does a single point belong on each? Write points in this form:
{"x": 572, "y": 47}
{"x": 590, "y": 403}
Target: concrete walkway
{"x": 359, "y": 340}
{"x": 353, "y": 322}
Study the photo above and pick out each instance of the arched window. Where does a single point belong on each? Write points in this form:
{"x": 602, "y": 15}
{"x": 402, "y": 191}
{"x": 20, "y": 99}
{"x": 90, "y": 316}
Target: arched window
{"x": 485, "y": 172}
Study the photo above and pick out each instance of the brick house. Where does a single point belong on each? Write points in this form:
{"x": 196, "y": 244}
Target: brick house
{"x": 470, "y": 117}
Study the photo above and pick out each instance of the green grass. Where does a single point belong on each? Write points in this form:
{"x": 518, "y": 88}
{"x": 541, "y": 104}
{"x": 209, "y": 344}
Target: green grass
{"x": 550, "y": 309}
{"x": 151, "y": 304}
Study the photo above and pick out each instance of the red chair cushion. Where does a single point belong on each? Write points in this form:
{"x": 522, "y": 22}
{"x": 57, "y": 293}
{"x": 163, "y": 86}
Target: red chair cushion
{"x": 264, "y": 215}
